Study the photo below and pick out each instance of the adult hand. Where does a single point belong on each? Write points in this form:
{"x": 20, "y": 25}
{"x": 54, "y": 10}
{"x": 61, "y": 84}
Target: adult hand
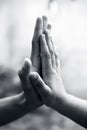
{"x": 51, "y": 88}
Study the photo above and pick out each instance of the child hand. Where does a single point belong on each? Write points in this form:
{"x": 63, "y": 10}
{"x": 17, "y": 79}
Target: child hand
{"x": 32, "y": 98}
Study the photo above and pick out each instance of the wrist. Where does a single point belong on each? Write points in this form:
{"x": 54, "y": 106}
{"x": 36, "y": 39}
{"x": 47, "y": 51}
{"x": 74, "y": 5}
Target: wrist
{"x": 21, "y": 101}
{"x": 60, "y": 103}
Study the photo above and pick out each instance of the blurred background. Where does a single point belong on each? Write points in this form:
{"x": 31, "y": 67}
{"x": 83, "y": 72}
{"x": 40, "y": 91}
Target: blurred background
{"x": 69, "y": 31}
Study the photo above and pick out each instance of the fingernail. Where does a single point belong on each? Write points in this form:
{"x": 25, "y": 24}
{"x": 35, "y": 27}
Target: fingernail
{"x": 42, "y": 36}
{"x": 26, "y": 63}
{"x": 33, "y": 77}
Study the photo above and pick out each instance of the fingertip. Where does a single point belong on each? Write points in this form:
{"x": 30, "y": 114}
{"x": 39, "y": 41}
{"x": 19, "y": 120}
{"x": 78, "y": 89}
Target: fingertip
{"x": 25, "y": 67}
{"x": 33, "y": 76}
{"x": 26, "y": 64}
{"x": 39, "y": 20}
{"x": 42, "y": 41}
{"x": 42, "y": 36}
{"x": 49, "y": 26}
{"x": 44, "y": 17}
{"x": 27, "y": 61}
{"x": 45, "y": 21}
{"x": 38, "y": 29}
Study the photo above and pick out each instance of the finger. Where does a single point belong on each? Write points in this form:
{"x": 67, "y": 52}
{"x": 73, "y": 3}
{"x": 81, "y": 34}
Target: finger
{"x": 42, "y": 89}
{"x": 45, "y": 23}
{"x": 50, "y": 46}
{"x": 25, "y": 68}
{"x": 38, "y": 29}
{"x": 24, "y": 72}
{"x": 35, "y": 53}
{"x": 54, "y": 55}
{"x": 49, "y": 27}
{"x": 57, "y": 60}
{"x": 45, "y": 54}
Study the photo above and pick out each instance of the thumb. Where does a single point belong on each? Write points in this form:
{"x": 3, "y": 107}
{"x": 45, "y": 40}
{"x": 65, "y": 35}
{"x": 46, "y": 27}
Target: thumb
{"x": 24, "y": 71}
{"x": 37, "y": 82}
{"x": 23, "y": 74}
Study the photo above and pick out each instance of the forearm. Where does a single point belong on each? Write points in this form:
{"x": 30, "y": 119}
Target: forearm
{"x": 12, "y": 108}
{"x": 74, "y": 108}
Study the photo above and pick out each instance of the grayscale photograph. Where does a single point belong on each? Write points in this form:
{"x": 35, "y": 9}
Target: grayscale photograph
{"x": 43, "y": 64}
